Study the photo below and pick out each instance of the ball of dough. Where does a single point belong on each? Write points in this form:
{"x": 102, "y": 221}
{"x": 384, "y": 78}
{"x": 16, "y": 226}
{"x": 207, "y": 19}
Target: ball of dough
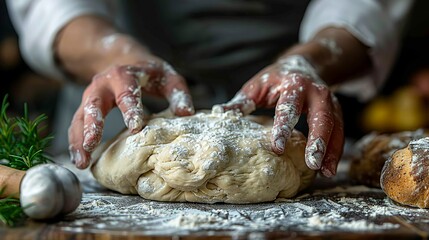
{"x": 405, "y": 176}
{"x": 208, "y": 158}
{"x": 373, "y": 150}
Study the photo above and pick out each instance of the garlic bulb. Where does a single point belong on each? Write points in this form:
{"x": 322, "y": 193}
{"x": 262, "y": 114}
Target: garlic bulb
{"x": 48, "y": 191}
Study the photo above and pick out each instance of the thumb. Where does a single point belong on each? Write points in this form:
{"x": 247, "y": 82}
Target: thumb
{"x": 241, "y": 102}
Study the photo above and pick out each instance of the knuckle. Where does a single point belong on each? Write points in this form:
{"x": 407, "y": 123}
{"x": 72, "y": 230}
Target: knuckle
{"x": 115, "y": 72}
{"x": 286, "y": 109}
{"x": 329, "y": 119}
{"x": 71, "y": 136}
{"x": 337, "y": 106}
{"x": 108, "y": 73}
{"x": 73, "y": 139}
{"x": 127, "y": 100}
{"x": 168, "y": 69}
{"x": 297, "y": 78}
{"x": 97, "y": 77}
{"x": 324, "y": 118}
{"x": 97, "y": 81}
{"x": 93, "y": 101}
{"x": 324, "y": 92}
{"x": 78, "y": 116}
{"x": 125, "y": 97}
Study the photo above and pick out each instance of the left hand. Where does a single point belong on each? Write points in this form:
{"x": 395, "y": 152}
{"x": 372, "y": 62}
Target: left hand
{"x": 293, "y": 91}
{"x": 122, "y": 86}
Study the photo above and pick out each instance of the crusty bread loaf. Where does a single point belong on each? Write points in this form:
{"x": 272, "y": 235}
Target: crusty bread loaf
{"x": 373, "y": 150}
{"x": 405, "y": 175}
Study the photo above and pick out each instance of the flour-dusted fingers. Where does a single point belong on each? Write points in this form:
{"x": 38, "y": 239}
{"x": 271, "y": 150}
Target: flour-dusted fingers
{"x": 287, "y": 113}
{"x": 126, "y": 88}
{"x": 93, "y": 121}
{"x": 78, "y": 155}
{"x": 336, "y": 143}
{"x": 320, "y": 118}
{"x": 262, "y": 90}
{"x": 177, "y": 92}
{"x": 255, "y": 93}
{"x": 86, "y": 129}
{"x": 114, "y": 87}
{"x": 158, "y": 78}
{"x": 240, "y": 102}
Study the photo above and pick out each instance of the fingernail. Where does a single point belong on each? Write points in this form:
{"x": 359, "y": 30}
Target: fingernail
{"x": 333, "y": 169}
{"x": 327, "y": 172}
{"x": 248, "y": 107}
{"x": 218, "y": 108}
{"x": 314, "y": 154}
{"x": 190, "y": 110}
{"x": 280, "y": 144}
{"x": 134, "y": 124}
{"x": 330, "y": 168}
{"x": 75, "y": 155}
{"x": 181, "y": 102}
{"x": 82, "y": 164}
{"x": 184, "y": 110}
{"x": 314, "y": 160}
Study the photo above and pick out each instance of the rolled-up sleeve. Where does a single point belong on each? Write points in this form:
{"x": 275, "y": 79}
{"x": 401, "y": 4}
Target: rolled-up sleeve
{"x": 376, "y": 23}
{"x": 38, "y": 22}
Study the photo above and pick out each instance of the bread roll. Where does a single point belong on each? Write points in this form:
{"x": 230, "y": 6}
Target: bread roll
{"x": 405, "y": 176}
{"x": 373, "y": 150}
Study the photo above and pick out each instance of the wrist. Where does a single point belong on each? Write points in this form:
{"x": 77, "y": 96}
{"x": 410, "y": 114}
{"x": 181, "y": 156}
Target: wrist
{"x": 299, "y": 64}
{"x": 335, "y": 54}
{"x": 88, "y": 45}
{"x": 117, "y": 49}
{"x": 315, "y": 55}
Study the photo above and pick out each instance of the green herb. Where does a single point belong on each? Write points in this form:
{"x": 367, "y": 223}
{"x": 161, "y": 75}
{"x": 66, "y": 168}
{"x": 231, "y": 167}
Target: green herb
{"x": 21, "y": 144}
{"x": 21, "y": 147}
{"x": 10, "y": 210}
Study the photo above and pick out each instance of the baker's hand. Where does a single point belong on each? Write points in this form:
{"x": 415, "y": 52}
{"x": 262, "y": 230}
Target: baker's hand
{"x": 292, "y": 87}
{"x": 123, "y": 86}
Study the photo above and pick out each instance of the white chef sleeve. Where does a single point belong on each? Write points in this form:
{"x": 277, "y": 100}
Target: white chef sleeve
{"x": 376, "y": 23}
{"x": 37, "y": 23}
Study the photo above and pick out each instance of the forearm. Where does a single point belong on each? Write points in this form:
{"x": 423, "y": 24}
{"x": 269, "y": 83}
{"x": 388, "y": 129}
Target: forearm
{"x": 88, "y": 45}
{"x": 336, "y": 55}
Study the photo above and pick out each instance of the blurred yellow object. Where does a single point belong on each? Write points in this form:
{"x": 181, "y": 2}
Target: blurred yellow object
{"x": 377, "y": 115}
{"x": 409, "y": 110}
{"x": 402, "y": 111}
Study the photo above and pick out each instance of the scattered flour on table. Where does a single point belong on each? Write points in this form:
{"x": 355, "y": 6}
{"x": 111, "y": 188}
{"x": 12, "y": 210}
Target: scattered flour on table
{"x": 339, "y": 209}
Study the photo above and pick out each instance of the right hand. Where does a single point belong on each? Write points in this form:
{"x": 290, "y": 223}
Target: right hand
{"x": 292, "y": 87}
{"x": 123, "y": 86}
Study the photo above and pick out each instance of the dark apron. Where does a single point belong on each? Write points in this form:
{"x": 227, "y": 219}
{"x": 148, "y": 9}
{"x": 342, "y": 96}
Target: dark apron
{"x": 221, "y": 43}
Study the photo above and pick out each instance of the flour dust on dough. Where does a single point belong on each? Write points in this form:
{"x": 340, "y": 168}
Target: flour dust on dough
{"x": 207, "y": 158}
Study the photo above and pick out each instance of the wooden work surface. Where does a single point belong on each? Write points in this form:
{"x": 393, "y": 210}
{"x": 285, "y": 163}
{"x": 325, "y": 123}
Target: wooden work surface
{"x": 330, "y": 209}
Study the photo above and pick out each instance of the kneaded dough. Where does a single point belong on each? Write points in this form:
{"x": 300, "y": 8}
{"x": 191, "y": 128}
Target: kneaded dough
{"x": 207, "y": 158}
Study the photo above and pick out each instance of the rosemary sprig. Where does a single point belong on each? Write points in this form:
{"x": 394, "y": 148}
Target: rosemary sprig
{"x": 10, "y": 210}
{"x": 21, "y": 147}
{"x": 21, "y": 144}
